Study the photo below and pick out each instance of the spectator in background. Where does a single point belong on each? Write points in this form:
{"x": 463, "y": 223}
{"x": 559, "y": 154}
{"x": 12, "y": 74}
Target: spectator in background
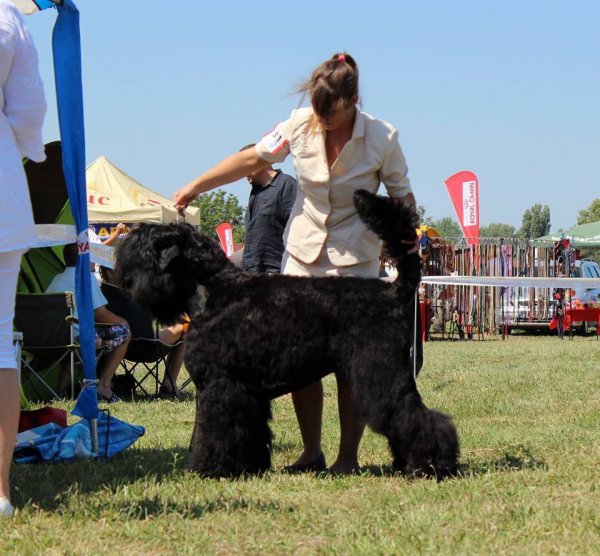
{"x": 115, "y": 337}
{"x": 123, "y": 306}
{"x": 115, "y": 233}
{"x": 269, "y": 206}
{"x": 23, "y": 108}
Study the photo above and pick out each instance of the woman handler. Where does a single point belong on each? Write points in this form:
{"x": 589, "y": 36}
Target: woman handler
{"x": 336, "y": 149}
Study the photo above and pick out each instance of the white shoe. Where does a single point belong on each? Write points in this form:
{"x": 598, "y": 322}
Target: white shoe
{"x": 6, "y": 509}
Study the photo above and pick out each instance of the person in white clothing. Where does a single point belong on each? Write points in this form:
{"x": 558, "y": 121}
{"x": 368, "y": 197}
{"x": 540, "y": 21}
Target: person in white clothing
{"x": 23, "y": 109}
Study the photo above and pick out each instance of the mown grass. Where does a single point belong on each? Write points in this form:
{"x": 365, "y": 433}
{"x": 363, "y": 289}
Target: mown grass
{"x": 527, "y": 410}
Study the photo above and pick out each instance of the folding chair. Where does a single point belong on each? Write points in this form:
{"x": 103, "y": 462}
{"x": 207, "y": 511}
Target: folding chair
{"x": 146, "y": 353}
{"x": 46, "y": 323}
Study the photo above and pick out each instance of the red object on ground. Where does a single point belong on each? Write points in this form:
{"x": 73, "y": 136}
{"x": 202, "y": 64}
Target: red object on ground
{"x": 584, "y": 314}
{"x": 37, "y": 417}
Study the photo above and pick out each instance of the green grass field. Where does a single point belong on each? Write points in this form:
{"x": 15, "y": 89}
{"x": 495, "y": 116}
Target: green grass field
{"x": 528, "y": 414}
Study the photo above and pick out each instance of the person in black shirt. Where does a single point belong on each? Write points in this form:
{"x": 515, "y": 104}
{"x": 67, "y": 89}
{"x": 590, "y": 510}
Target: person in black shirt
{"x": 269, "y": 206}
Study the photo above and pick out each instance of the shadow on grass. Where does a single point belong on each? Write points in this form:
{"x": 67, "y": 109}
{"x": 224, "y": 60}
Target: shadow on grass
{"x": 46, "y": 485}
{"x": 158, "y": 506}
{"x": 49, "y": 486}
{"x": 517, "y": 458}
{"x": 186, "y": 396}
{"x": 66, "y": 487}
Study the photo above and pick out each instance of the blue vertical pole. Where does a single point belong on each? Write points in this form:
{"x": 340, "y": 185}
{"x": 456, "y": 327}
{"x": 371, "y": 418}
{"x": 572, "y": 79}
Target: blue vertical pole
{"x": 69, "y": 94}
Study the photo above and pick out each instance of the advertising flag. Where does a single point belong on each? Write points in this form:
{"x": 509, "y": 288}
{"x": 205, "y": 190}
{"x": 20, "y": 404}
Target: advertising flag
{"x": 225, "y": 233}
{"x": 463, "y": 188}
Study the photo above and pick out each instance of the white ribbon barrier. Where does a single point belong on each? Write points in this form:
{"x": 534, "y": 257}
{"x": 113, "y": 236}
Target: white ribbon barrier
{"x": 59, "y": 234}
{"x": 512, "y": 281}
{"x": 101, "y": 254}
{"x": 49, "y": 235}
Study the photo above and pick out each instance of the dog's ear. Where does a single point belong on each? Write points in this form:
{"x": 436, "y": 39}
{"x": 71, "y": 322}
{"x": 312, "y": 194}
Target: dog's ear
{"x": 167, "y": 256}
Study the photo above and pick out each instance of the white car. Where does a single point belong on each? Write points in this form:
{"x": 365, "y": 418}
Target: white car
{"x": 587, "y": 269}
{"x": 521, "y": 312}
{"x": 589, "y": 296}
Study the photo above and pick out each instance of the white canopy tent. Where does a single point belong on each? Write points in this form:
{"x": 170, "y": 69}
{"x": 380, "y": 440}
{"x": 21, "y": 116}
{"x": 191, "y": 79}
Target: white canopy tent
{"x": 113, "y": 196}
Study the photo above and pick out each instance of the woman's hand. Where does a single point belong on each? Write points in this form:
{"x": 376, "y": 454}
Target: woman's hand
{"x": 121, "y": 229}
{"x": 184, "y": 196}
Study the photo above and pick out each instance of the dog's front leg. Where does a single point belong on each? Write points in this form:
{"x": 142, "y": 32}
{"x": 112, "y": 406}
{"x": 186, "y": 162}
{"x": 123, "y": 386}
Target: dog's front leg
{"x": 231, "y": 434}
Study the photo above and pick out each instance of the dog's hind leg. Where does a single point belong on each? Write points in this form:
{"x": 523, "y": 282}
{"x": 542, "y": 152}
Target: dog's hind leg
{"x": 231, "y": 433}
{"x": 422, "y": 441}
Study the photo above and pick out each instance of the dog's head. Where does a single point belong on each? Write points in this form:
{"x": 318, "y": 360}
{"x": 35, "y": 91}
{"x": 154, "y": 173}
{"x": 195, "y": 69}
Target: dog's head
{"x": 160, "y": 266}
{"x": 431, "y": 446}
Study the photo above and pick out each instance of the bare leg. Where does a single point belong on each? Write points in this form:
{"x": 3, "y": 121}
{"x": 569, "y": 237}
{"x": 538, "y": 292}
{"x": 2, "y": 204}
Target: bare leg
{"x": 172, "y": 335}
{"x": 351, "y": 429}
{"x": 110, "y": 365}
{"x": 9, "y": 423}
{"x": 308, "y": 404}
{"x": 173, "y": 366}
{"x": 174, "y": 363}
{"x": 9, "y": 381}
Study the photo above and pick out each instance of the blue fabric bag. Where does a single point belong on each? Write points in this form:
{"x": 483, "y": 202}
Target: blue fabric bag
{"x": 52, "y": 442}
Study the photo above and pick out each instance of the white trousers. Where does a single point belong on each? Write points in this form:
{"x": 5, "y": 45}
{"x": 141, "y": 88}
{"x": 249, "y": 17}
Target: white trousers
{"x": 10, "y": 262}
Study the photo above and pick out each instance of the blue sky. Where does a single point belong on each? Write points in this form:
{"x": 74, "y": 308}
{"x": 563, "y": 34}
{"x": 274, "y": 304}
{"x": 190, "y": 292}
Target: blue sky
{"x": 509, "y": 90}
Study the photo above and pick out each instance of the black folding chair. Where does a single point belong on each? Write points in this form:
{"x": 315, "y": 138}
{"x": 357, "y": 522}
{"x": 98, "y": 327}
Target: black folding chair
{"x": 46, "y": 322}
{"x": 146, "y": 354}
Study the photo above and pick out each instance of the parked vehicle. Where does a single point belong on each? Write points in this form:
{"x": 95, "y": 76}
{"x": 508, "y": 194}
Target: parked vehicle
{"x": 533, "y": 308}
{"x": 587, "y": 269}
{"x": 524, "y": 309}
{"x": 588, "y": 296}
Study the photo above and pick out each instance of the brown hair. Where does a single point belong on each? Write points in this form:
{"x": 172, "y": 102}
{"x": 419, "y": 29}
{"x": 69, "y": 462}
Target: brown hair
{"x": 332, "y": 81}
{"x": 70, "y": 254}
{"x": 106, "y": 273}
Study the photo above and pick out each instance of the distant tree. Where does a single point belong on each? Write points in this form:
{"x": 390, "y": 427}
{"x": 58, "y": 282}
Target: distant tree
{"x": 446, "y": 227}
{"x": 217, "y": 207}
{"x": 536, "y": 222}
{"x": 497, "y": 229}
{"x": 590, "y": 214}
{"x": 421, "y": 212}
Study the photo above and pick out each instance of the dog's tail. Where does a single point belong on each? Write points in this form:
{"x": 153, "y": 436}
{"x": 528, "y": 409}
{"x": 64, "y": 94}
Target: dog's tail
{"x": 396, "y": 224}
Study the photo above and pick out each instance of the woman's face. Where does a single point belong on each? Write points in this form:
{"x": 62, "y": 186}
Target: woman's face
{"x": 340, "y": 115}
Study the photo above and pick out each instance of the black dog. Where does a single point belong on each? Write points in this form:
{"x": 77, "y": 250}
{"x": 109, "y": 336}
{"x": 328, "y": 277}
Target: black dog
{"x": 254, "y": 337}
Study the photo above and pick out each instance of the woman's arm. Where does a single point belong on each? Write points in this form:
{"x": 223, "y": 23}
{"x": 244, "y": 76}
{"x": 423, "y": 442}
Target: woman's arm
{"x": 103, "y": 315}
{"x": 120, "y": 229}
{"x": 233, "y": 168}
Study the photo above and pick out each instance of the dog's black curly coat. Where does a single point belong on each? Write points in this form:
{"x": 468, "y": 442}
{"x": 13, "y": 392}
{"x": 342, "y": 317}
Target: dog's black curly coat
{"x": 254, "y": 337}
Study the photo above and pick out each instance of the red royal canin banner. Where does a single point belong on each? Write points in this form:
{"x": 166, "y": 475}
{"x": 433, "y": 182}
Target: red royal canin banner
{"x": 463, "y": 188}
{"x": 225, "y": 233}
